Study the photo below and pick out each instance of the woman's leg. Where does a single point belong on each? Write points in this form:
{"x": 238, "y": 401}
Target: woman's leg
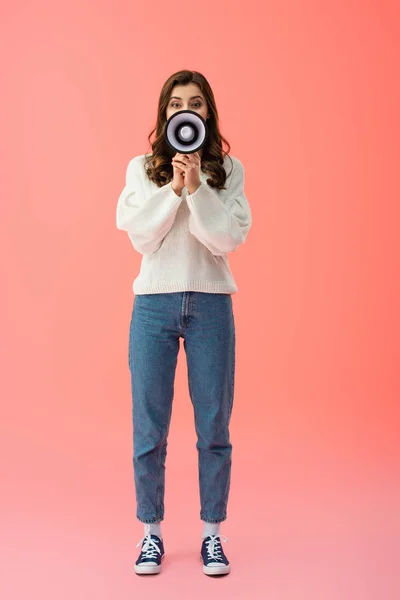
{"x": 209, "y": 342}
{"x": 153, "y": 351}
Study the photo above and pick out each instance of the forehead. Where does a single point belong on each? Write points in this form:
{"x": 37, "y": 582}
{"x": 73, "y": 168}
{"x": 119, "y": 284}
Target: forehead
{"x": 186, "y": 91}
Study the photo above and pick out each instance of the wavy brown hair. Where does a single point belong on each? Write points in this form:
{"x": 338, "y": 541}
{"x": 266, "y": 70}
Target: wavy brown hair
{"x": 158, "y": 164}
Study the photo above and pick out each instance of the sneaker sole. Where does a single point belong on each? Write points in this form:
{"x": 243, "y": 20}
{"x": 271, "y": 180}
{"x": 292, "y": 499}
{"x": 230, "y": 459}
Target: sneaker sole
{"x": 220, "y": 570}
{"x": 148, "y": 569}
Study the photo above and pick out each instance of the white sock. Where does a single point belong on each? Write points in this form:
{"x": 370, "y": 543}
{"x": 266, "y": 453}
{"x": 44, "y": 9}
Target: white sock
{"x": 210, "y": 529}
{"x": 153, "y": 528}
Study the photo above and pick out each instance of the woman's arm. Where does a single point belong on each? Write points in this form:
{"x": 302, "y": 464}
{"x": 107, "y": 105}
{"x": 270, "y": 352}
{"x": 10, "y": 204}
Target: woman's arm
{"x": 221, "y": 226}
{"x": 147, "y": 220}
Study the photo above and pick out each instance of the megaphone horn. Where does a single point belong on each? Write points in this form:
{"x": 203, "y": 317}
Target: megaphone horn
{"x": 186, "y": 131}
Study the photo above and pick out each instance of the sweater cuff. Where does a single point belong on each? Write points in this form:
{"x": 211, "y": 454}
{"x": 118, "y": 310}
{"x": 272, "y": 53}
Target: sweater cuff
{"x": 168, "y": 186}
{"x": 202, "y": 191}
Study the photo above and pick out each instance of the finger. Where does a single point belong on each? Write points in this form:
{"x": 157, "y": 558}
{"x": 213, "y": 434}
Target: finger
{"x": 197, "y": 158}
{"x": 192, "y": 158}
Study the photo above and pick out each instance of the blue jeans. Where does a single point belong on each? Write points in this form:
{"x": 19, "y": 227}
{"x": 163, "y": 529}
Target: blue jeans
{"x": 205, "y": 321}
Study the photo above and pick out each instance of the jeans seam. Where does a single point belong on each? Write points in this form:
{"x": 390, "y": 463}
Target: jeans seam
{"x": 159, "y": 479}
{"x": 130, "y": 343}
{"x": 160, "y": 457}
{"x": 233, "y": 372}
{"x": 191, "y": 397}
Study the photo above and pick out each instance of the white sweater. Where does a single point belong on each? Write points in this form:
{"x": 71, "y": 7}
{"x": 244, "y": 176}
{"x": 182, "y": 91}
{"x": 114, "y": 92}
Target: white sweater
{"x": 184, "y": 239}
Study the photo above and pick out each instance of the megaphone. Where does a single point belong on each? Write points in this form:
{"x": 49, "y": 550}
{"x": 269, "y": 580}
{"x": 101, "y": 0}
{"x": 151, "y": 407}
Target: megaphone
{"x": 186, "y": 131}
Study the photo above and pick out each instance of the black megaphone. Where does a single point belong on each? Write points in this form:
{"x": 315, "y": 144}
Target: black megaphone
{"x": 186, "y": 131}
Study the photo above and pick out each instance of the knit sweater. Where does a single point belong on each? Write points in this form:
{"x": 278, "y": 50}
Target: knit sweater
{"x": 184, "y": 240}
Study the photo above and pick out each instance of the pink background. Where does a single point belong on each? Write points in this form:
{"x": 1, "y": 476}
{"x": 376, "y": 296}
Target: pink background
{"x": 308, "y": 94}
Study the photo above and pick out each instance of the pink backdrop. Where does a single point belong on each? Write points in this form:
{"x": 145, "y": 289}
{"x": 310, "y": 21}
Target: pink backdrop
{"x": 308, "y": 94}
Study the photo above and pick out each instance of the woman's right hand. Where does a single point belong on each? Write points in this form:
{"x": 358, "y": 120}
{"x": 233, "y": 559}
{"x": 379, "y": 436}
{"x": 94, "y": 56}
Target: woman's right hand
{"x": 178, "y": 182}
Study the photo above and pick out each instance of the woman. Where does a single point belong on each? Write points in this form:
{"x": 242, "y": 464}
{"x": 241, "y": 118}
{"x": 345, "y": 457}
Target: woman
{"x": 183, "y": 213}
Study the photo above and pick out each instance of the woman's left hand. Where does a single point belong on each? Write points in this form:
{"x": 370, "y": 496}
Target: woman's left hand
{"x": 190, "y": 165}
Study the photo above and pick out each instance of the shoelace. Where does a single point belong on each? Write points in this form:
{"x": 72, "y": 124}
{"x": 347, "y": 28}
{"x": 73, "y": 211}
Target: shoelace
{"x": 150, "y": 547}
{"x": 214, "y": 546}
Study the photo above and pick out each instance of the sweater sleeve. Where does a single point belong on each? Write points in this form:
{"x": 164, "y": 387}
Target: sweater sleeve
{"x": 147, "y": 220}
{"x": 221, "y": 226}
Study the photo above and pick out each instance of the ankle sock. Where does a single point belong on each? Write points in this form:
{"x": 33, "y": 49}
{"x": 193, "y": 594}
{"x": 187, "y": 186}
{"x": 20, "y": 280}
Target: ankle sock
{"x": 210, "y": 529}
{"x": 153, "y": 528}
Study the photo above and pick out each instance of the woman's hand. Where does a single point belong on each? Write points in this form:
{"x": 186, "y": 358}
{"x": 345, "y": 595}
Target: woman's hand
{"x": 189, "y": 164}
{"x": 178, "y": 182}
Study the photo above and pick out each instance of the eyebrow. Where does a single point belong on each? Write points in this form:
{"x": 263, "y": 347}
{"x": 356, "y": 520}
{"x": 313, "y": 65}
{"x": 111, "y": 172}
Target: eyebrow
{"x": 192, "y": 98}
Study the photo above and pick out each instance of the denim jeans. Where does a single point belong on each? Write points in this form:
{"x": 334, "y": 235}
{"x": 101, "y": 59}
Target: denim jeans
{"x": 205, "y": 321}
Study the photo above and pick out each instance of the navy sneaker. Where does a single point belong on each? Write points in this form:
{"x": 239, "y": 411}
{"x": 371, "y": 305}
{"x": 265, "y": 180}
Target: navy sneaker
{"x": 151, "y": 555}
{"x": 213, "y": 556}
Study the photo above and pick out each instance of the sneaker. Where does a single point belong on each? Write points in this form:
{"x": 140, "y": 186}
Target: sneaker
{"x": 151, "y": 555}
{"x": 213, "y": 557}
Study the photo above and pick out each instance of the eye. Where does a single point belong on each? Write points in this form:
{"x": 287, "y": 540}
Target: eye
{"x": 177, "y": 104}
